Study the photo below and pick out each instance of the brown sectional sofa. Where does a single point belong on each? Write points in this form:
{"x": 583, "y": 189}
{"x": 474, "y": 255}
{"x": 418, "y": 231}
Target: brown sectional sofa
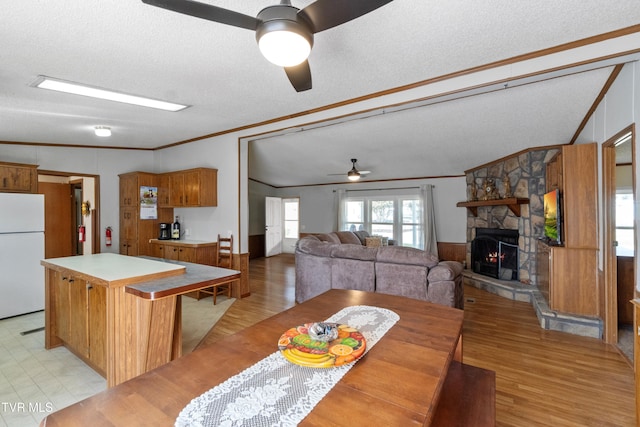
{"x": 340, "y": 260}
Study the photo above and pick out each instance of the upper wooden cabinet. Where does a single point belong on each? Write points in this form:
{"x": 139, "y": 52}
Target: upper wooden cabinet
{"x": 164, "y": 193}
{"x": 130, "y": 184}
{"x": 188, "y": 188}
{"x": 574, "y": 172}
{"x": 18, "y": 178}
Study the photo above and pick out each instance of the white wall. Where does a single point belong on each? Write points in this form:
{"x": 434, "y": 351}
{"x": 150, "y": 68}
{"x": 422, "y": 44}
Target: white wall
{"x": 619, "y": 109}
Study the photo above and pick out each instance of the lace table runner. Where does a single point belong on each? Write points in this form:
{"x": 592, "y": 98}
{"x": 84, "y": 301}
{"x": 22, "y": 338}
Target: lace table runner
{"x": 275, "y": 392}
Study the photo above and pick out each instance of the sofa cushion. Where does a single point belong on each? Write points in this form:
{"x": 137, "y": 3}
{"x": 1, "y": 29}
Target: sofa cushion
{"x": 348, "y": 237}
{"x": 353, "y": 274}
{"x": 406, "y": 255}
{"x": 311, "y": 245}
{"x": 328, "y": 237}
{"x": 402, "y": 279}
{"x": 357, "y": 252}
{"x": 362, "y": 235}
{"x": 445, "y": 270}
{"x": 313, "y": 275}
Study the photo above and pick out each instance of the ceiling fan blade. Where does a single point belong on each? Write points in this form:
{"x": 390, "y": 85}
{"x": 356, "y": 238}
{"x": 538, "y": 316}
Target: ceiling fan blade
{"x": 208, "y": 12}
{"x": 299, "y": 76}
{"x": 325, "y": 14}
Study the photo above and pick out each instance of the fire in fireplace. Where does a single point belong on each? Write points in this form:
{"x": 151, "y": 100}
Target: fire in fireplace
{"x": 495, "y": 253}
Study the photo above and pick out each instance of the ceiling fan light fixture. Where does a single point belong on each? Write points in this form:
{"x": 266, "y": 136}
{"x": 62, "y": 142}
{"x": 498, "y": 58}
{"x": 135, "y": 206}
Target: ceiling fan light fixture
{"x": 353, "y": 175}
{"x": 284, "y": 48}
{"x": 282, "y": 38}
{"x": 103, "y": 131}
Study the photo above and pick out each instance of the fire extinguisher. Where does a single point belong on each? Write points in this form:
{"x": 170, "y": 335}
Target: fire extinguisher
{"x": 108, "y": 239}
{"x": 81, "y": 233}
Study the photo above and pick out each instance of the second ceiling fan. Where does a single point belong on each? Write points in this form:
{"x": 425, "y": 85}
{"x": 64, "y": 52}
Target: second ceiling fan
{"x": 284, "y": 33}
{"x": 354, "y": 174}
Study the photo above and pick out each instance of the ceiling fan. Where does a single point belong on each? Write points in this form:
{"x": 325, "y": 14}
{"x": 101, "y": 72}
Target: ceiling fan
{"x": 354, "y": 174}
{"x": 284, "y": 33}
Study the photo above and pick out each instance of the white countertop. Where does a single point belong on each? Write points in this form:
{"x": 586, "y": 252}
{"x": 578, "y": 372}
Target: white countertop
{"x": 185, "y": 242}
{"x": 113, "y": 267}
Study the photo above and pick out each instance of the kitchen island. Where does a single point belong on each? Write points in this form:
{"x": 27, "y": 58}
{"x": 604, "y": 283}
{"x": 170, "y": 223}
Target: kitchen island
{"x": 121, "y": 314}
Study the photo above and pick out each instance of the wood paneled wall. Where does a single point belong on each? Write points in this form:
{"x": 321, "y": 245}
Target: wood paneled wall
{"x": 256, "y": 246}
{"x": 448, "y": 251}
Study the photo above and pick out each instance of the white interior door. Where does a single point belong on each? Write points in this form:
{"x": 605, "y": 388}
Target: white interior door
{"x": 273, "y": 220}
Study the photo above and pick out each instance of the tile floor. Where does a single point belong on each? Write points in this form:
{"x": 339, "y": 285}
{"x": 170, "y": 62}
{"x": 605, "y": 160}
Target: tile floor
{"x": 35, "y": 381}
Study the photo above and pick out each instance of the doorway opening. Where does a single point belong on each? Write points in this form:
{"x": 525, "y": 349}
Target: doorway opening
{"x": 65, "y": 194}
{"x": 620, "y": 239}
{"x": 282, "y": 221}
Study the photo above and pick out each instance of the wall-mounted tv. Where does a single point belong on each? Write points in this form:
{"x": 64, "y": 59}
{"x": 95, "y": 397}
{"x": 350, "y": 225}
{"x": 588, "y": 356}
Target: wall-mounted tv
{"x": 553, "y": 217}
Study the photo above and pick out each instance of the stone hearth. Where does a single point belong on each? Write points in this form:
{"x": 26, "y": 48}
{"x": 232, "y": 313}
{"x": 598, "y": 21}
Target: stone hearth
{"x": 549, "y": 319}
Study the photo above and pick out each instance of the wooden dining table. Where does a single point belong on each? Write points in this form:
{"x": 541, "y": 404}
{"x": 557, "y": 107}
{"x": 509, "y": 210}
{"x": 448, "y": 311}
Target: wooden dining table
{"x": 397, "y": 383}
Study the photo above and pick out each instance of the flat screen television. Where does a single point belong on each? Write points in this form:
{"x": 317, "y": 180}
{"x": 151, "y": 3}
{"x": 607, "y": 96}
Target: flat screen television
{"x": 553, "y": 217}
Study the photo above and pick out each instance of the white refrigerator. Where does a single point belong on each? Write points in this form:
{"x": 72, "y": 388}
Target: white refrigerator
{"x": 21, "y": 250}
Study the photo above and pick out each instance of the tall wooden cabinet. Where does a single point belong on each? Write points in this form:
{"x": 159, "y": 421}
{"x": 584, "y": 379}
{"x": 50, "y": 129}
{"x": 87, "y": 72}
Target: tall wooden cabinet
{"x": 135, "y": 232}
{"x": 569, "y": 273}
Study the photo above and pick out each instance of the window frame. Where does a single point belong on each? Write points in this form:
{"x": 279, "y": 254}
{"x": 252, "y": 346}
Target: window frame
{"x": 398, "y": 223}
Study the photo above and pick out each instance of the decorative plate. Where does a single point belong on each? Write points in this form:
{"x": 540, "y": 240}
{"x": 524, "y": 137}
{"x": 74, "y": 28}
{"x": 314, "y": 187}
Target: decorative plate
{"x": 298, "y": 347}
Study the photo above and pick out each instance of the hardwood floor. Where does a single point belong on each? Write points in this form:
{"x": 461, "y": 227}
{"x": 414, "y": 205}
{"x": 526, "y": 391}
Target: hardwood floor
{"x": 543, "y": 378}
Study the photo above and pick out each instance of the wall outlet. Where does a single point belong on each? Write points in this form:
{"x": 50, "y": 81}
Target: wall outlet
{"x": 187, "y": 232}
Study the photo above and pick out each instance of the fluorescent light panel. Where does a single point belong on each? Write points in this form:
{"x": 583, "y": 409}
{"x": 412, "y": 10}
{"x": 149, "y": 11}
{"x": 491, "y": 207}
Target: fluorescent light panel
{"x": 45, "y": 82}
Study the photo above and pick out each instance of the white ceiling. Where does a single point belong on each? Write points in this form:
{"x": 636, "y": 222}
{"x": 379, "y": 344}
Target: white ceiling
{"x": 131, "y": 47}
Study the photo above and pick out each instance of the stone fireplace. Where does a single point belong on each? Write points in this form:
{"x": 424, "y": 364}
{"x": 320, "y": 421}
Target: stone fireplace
{"x": 525, "y": 173}
{"x": 495, "y": 253}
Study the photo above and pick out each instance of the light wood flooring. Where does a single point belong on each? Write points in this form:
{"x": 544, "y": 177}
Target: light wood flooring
{"x": 543, "y": 378}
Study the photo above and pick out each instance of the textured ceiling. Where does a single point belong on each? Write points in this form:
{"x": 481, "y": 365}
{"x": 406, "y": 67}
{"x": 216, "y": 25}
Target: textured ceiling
{"x": 217, "y": 69}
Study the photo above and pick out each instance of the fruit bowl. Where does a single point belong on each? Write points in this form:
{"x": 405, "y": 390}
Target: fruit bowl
{"x": 299, "y": 348}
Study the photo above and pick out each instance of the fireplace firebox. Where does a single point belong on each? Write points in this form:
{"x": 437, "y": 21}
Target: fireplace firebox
{"x": 495, "y": 253}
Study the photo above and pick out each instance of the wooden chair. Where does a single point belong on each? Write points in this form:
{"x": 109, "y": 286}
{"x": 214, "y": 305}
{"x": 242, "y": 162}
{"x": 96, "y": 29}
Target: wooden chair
{"x": 223, "y": 259}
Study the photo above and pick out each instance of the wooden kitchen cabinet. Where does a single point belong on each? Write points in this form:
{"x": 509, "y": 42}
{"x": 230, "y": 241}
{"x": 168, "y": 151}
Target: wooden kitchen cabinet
{"x": 128, "y": 231}
{"x": 188, "y": 251}
{"x": 18, "y": 178}
{"x": 61, "y": 304}
{"x": 135, "y": 232}
{"x": 80, "y": 317}
{"x": 190, "y": 188}
{"x": 164, "y": 193}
